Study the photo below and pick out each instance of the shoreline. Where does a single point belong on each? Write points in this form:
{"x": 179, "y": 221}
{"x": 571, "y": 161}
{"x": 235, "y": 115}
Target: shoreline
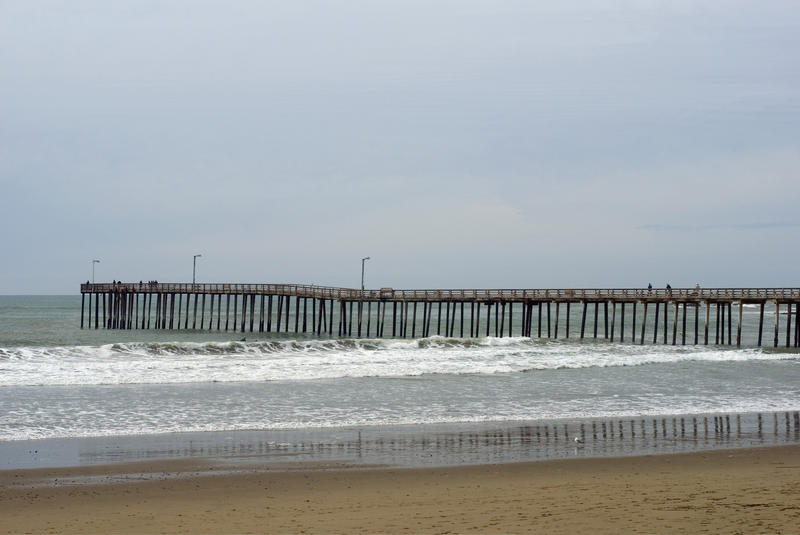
{"x": 422, "y": 445}
{"x": 748, "y": 490}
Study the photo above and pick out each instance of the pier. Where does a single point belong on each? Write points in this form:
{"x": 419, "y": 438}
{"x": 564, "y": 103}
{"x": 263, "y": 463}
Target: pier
{"x": 676, "y": 316}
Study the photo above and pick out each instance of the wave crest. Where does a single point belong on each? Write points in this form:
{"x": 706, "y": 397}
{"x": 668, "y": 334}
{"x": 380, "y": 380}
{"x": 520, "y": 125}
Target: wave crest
{"x": 298, "y": 360}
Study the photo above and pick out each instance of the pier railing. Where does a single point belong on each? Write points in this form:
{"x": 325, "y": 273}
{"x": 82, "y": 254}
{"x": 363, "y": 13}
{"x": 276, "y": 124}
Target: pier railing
{"x": 499, "y": 294}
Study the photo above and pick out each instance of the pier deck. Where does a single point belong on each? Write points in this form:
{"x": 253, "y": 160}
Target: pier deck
{"x": 279, "y": 307}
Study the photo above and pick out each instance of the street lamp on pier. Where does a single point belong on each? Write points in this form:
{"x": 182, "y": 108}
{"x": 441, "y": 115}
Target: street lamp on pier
{"x": 93, "y": 263}
{"x": 362, "y": 271}
{"x": 194, "y": 266}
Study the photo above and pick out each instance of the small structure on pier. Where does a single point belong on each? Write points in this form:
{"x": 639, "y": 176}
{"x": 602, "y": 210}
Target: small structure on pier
{"x": 346, "y": 312}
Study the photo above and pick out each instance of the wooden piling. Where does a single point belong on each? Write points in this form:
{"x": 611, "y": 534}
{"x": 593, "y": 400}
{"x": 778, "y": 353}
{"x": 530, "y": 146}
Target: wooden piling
{"x": 683, "y": 325}
{"x": 730, "y": 315}
{"x": 428, "y": 319}
{"x": 252, "y": 311}
{"x": 359, "y": 311}
{"x": 675, "y": 325}
{"x": 548, "y": 319}
{"x": 613, "y": 319}
{"x": 405, "y": 319}
{"x": 557, "y": 315}
{"x": 279, "y": 307}
{"x": 739, "y": 327}
{"x": 539, "y": 318}
{"x": 296, "y": 314}
{"x": 288, "y": 303}
{"x": 644, "y": 321}
{"x": 471, "y": 319}
{"x": 414, "y": 322}
{"x": 788, "y": 322}
{"x": 164, "y": 313}
{"x": 203, "y": 312}
{"x": 158, "y": 310}
{"x": 243, "y": 326}
{"x": 584, "y": 304}
{"x": 330, "y": 319}
{"x": 382, "y": 308}
{"x": 655, "y": 324}
{"x": 269, "y": 313}
{"x": 171, "y": 311}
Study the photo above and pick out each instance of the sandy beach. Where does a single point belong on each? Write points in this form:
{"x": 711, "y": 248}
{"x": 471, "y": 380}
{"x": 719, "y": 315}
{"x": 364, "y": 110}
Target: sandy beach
{"x": 754, "y": 490}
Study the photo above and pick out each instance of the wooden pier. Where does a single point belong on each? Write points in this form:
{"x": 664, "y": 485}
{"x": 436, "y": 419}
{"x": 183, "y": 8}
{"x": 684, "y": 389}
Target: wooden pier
{"x": 390, "y": 313}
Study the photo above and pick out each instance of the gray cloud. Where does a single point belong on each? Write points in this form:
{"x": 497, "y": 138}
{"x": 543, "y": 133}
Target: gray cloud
{"x": 457, "y": 143}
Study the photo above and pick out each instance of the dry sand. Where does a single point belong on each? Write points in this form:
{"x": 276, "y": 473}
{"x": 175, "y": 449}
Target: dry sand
{"x": 735, "y": 491}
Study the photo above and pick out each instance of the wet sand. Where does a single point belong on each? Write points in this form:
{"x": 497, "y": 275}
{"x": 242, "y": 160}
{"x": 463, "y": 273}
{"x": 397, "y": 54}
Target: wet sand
{"x": 746, "y": 490}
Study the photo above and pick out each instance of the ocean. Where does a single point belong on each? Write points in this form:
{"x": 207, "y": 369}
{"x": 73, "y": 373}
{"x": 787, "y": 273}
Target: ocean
{"x": 61, "y": 383}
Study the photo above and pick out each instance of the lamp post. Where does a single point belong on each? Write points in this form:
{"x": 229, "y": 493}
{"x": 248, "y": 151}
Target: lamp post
{"x": 194, "y": 266}
{"x": 362, "y": 271}
{"x": 93, "y": 263}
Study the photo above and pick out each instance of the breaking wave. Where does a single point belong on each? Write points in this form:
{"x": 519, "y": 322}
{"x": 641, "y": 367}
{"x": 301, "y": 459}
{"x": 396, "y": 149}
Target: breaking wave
{"x": 299, "y": 360}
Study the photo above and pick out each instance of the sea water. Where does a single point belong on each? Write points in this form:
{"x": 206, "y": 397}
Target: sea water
{"x": 60, "y": 382}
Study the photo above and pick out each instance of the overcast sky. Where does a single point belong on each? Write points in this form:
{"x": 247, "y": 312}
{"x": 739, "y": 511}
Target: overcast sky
{"x": 459, "y": 144}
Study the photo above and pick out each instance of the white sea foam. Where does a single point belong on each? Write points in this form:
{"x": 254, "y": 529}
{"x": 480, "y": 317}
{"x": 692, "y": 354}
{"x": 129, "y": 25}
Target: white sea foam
{"x": 295, "y": 360}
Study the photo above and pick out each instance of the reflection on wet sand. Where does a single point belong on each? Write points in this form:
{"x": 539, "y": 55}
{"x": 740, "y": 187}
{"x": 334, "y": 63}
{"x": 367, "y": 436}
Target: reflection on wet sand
{"x": 425, "y": 445}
